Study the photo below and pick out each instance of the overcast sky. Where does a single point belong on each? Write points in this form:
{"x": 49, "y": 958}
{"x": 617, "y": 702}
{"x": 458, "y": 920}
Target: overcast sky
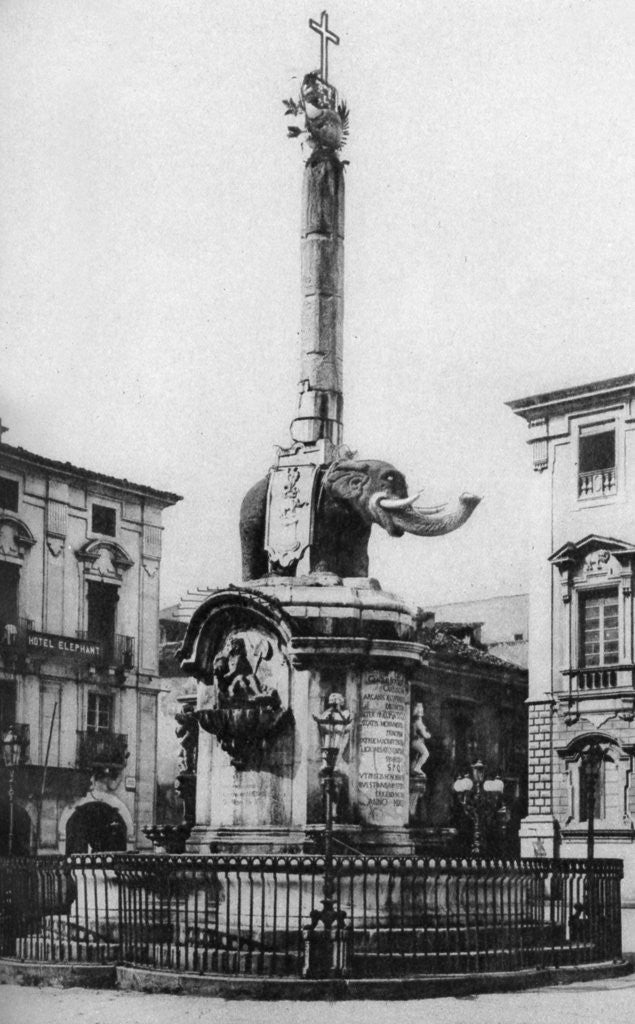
{"x": 150, "y": 207}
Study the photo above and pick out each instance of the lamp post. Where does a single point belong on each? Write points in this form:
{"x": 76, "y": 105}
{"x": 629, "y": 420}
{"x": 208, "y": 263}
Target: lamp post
{"x": 12, "y": 752}
{"x": 334, "y": 725}
{"x": 475, "y": 793}
{"x": 592, "y": 757}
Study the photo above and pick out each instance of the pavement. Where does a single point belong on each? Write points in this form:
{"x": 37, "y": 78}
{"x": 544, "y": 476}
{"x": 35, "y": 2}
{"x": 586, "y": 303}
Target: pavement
{"x": 591, "y": 1002}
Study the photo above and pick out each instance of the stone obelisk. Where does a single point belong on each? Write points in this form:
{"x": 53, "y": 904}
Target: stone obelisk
{"x": 320, "y": 400}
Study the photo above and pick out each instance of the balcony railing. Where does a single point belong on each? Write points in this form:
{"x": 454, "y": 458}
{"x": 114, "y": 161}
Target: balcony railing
{"x": 102, "y": 750}
{"x": 24, "y": 732}
{"x": 119, "y": 652}
{"x": 602, "y": 677}
{"x": 597, "y": 483}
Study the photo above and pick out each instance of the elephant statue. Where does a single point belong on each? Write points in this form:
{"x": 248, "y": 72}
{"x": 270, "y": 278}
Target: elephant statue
{"x": 352, "y": 495}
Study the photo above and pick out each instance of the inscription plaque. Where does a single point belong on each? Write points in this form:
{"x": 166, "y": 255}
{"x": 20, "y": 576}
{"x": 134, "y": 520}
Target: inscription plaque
{"x": 383, "y": 775}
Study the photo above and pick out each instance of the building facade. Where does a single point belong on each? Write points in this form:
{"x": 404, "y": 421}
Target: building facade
{"x": 475, "y": 709}
{"x": 581, "y": 651}
{"x": 80, "y": 554}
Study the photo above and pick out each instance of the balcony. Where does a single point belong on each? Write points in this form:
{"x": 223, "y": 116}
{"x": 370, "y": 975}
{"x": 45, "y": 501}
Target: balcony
{"x": 24, "y": 733}
{"x": 601, "y": 678}
{"x": 101, "y": 751}
{"x": 597, "y": 483}
{"x": 13, "y": 634}
{"x": 118, "y": 652}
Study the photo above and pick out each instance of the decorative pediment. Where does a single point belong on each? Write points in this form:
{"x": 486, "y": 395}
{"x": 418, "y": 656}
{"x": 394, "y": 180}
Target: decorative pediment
{"x": 105, "y": 559}
{"x": 594, "y": 560}
{"x": 15, "y": 537}
{"x": 593, "y": 551}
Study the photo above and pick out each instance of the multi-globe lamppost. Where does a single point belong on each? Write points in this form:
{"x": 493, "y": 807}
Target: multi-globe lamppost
{"x": 477, "y": 796}
{"x": 12, "y": 753}
{"x": 334, "y": 725}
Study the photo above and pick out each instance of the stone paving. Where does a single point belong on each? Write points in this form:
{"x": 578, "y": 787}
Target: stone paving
{"x": 591, "y": 1002}
{"x": 584, "y": 1003}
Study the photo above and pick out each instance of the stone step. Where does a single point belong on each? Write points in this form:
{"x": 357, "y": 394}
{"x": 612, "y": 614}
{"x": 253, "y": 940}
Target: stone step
{"x": 371, "y": 964}
{"x": 454, "y": 938}
{"x": 35, "y": 947}
{"x": 219, "y": 961}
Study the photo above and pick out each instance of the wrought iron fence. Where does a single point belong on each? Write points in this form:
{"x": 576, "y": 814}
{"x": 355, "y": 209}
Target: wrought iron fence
{"x": 393, "y": 916}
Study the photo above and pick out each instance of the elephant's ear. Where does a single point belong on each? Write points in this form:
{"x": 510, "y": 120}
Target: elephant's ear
{"x": 347, "y": 478}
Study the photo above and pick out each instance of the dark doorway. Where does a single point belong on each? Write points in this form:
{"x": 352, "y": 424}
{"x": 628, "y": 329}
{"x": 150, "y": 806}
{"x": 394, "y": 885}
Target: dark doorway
{"x": 102, "y": 611}
{"x": 21, "y": 829}
{"x": 95, "y": 827}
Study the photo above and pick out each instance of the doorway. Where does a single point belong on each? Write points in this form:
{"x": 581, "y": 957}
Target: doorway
{"x": 95, "y": 827}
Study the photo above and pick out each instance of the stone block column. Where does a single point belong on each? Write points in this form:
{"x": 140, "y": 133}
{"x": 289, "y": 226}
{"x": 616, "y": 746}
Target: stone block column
{"x": 537, "y": 832}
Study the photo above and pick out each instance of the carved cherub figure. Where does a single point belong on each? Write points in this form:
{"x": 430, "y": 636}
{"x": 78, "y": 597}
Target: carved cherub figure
{"x": 419, "y": 733}
{"x": 233, "y": 672}
{"x": 237, "y": 680}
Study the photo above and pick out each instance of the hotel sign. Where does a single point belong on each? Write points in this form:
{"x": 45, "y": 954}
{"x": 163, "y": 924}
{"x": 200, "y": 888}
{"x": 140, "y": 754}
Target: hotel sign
{"x": 51, "y": 643}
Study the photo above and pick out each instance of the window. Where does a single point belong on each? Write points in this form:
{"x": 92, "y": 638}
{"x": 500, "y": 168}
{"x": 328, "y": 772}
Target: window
{"x": 596, "y": 461}
{"x": 9, "y": 493}
{"x": 599, "y": 629}
{"x": 7, "y": 704}
{"x": 99, "y": 715}
{"x": 460, "y": 737}
{"x": 9, "y": 581}
{"x": 102, "y": 609}
{"x": 104, "y": 520}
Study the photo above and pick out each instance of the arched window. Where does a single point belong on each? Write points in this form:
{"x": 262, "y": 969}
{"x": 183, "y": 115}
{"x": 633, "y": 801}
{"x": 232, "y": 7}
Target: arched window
{"x": 598, "y": 771}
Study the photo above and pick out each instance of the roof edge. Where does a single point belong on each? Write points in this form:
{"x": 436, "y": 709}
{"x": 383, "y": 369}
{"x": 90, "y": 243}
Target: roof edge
{"x": 573, "y": 395}
{"x": 67, "y": 469}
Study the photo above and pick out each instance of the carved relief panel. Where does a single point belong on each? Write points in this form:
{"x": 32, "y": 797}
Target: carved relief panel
{"x": 249, "y": 696}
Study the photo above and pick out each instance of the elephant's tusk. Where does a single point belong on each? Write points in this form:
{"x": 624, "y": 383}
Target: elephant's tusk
{"x": 415, "y": 520}
{"x": 396, "y": 504}
{"x": 393, "y": 504}
{"x": 432, "y": 510}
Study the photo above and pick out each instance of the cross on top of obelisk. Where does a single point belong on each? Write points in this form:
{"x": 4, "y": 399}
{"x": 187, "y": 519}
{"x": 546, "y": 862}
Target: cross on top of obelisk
{"x": 326, "y": 37}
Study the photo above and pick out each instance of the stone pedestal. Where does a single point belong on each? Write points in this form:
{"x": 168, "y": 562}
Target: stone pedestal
{"x": 267, "y": 657}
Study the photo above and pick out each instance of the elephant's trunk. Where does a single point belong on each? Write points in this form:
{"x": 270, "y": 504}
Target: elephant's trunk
{"x": 427, "y": 523}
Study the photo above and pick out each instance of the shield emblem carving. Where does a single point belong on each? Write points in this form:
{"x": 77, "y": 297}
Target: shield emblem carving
{"x": 289, "y": 513}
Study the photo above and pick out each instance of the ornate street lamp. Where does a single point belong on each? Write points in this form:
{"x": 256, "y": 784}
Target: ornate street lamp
{"x": 12, "y": 753}
{"x": 334, "y": 725}
{"x": 476, "y": 794}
